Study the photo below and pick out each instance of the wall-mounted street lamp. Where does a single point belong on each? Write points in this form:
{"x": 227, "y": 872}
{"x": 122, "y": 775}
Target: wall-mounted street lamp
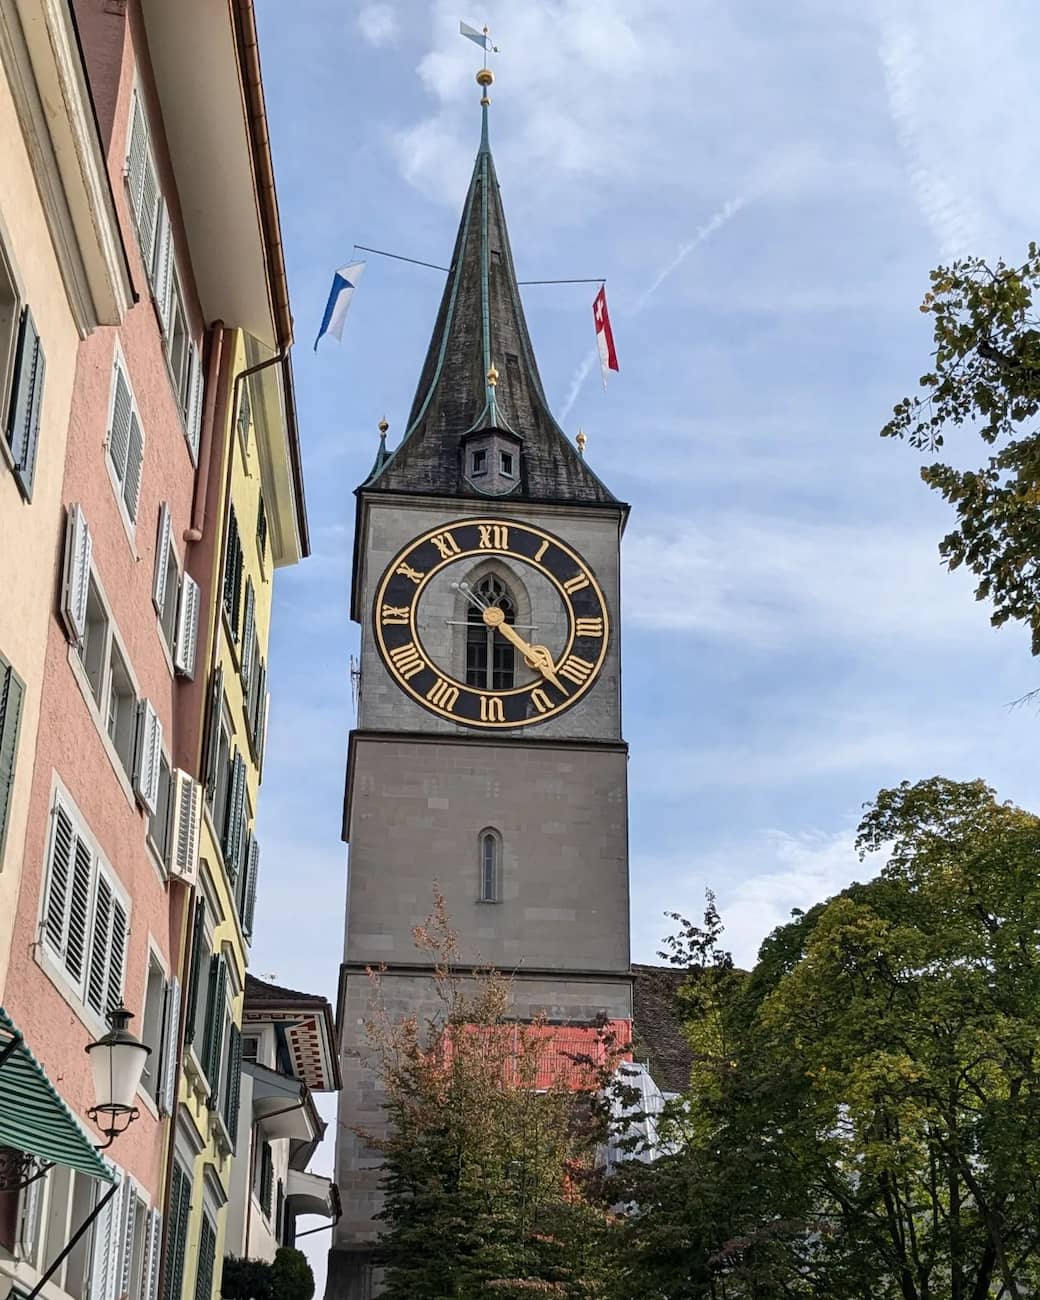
{"x": 117, "y": 1061}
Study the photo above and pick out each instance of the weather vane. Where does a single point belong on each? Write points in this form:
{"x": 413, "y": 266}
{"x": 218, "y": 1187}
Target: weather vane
{"x": 485, "y": 77}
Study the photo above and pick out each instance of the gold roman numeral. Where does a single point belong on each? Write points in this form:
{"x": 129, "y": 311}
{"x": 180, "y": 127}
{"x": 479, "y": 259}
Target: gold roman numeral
{"x": 407, "y": 660}
{"x": 446, "y": 545}
{"x": 588, "y": 627}
{"x": 443, "y": 695}
{"x": 494, "y": 537}
{"x": 394, "y": 614}
{"x": 577, "y": 583}
{"x": 576, "y": 670}
{"x": 406, "y": 572}
{"x": 540, "y": 700}
{"x": 541, "y": 551}
{"x": 491, "y": 709}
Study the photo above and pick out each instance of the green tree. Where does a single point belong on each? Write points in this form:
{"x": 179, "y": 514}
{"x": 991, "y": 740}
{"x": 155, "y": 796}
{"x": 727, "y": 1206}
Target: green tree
{"x": 986, "y": 376}
{"x": 487, "y": 1157}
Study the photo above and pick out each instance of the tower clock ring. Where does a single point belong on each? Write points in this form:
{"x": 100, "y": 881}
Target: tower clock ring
{"x": 558, "y": 655}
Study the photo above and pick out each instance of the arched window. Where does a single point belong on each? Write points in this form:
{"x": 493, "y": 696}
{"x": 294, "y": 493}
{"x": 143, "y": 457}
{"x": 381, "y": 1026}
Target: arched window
{"x": 490, "y": 866}
{"x": 490, "y": 659}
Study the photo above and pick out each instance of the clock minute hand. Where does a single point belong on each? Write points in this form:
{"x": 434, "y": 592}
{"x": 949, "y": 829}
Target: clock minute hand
{"x": 535, "y": 656}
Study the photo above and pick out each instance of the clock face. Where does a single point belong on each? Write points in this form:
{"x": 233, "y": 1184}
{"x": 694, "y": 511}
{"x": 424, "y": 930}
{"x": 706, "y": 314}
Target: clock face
{"x": 455, "y": 637}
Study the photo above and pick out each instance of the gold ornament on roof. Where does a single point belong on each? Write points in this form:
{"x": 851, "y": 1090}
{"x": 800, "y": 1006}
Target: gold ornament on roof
{"x": 581, "y": 440}
{"x": 384, "y": 424}
{"x": 492, "y": 376}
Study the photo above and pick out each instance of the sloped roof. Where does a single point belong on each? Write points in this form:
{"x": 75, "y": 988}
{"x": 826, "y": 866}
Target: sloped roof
{"x": 481, "y": 325}
{"x": 309, "y": 1027}
{"x": 657, "y": 1031}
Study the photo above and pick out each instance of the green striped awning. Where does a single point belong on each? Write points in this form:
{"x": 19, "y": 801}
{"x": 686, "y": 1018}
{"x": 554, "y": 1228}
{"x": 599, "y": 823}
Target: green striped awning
{"x": 33, "y": 1118}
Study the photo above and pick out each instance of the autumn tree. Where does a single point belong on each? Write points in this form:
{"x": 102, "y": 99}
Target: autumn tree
{"x": 488, "y": 1152}
{"x": 985, "y": 377}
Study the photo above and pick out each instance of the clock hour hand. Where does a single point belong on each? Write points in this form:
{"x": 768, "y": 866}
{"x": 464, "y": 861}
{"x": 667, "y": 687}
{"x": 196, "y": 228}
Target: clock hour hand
{"x": 535, "y": 656}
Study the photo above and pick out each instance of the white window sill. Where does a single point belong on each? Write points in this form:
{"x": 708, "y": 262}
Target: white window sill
{"x": 83, "y": 681}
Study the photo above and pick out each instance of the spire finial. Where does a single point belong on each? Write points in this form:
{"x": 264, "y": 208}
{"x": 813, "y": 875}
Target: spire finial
{"x": 581, "y": 440}
{"x": 383, "y": 426}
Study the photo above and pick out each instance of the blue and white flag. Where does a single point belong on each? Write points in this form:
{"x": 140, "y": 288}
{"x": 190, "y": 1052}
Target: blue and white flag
{"x": 344, "y": 282}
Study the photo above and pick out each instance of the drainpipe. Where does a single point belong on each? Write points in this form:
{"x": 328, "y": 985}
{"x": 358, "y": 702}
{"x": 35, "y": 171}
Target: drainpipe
{"x": 209, "y": 412}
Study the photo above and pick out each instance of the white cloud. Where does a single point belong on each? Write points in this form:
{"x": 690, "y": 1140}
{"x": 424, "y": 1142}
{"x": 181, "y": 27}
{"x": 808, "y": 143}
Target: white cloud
{"x": 774, "y": 581}
{"x": 378, "y": 24}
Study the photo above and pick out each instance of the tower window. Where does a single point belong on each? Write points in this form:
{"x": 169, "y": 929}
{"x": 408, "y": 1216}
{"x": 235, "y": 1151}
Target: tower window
{"x": 490, "y": 861}
{"x": 479, "y": 464}
{"x": 490, "y": 659}
{"x": 507, "y": 463}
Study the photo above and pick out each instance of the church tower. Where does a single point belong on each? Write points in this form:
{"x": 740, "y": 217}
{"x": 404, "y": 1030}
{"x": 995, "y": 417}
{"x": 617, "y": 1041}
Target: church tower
{"x": 488, "y": 753}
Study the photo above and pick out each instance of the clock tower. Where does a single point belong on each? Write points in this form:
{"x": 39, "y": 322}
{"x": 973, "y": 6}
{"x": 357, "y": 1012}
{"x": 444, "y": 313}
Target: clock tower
{"x": 488, "y": 755}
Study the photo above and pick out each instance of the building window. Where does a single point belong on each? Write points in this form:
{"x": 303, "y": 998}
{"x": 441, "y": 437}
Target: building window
{"x": 11, "y": 692}
{"x": 125, "y": 443}
{"x": 266, "y": 1180}
{"x": 10, "y": 314}
{"x": 86, "y": 917}
{"x": 233, "y": 576}
{"x": 167, "y": 579}
{"x": 179, "y": 351}
{"x": 22, "y": 370}
{"x": 490, "y": 661}
{"x": 490, "y": 866}
{"x": 261, "y": 529}
{"x": 160, "y": 824}
{"x": 122, "y": 710}
{"x": 207, "y": 1260}
{"x": 479, "y": 462}
{"x": 251, "y": 1047}
{"x": 506, "y": 462}
{"x": 151, "y": 1026}
{"x": 95, "y": 641}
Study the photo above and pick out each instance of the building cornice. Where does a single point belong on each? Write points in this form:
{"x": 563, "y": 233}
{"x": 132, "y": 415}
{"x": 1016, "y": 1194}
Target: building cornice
{"x": 41, "y": 57}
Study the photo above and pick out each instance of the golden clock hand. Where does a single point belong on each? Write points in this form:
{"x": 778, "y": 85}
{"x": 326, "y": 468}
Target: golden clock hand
{"x": 535, "y": 656}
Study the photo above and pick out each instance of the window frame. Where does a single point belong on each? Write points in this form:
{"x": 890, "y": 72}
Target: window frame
{"x": 7, "y": 352}
{"x": 489, "y": 885}
{"x": 494, "y": 648}
{"x": 118, "y": 478}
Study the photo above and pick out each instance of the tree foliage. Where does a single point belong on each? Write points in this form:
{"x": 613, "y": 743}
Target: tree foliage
{"x": 865, "y": 1115}
{"x": 485, "y": 1173}
{"x": 986, "y": 376}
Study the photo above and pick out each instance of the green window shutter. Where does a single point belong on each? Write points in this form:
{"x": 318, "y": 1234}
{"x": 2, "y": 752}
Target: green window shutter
{"x": 177, "y": 1241}
{"x": 23, "y": 417}
{"x": 212, "y": 1042}
{"x": 212, "y": 749}
{"x": 232, "y": 1085}
{"x": 249, "y": 890}
{"x": 207, "y": 1261}
{"x": 195, "y": 970}
{"x": 232, "y": 845}
{"x": 266, "y": 1178}
{"x": 248, "y": 627}
{"x": 261, "y": 529}
{"x": 11, "y": 693}
{"x": 232, "y": 573}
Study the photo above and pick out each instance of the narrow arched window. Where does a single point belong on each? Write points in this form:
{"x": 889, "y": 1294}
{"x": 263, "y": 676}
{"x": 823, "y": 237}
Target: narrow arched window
{"x": 490, "y": 659}
{"x": 490, "y": 854}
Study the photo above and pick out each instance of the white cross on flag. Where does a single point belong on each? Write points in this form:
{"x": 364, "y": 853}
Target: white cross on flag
{"x": 604, "y": 334}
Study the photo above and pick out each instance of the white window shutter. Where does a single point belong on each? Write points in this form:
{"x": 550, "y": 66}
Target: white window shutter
{"x": 104, "y": 1247}
{"x": 116, "y": 956}
{"x": 137, "y": 149}
{"x": 187, "y": 815}
{"x": 149, "y": 754}
{"x": 75, "y": 944}
{"x": 78, "y": 550}
{"x": 194, "y": 413}
{"x": 119, "y": 430}
{"x": 29, "y": 1220}
{"x": 134, "y": 459}
{"x": 167, "y": 1092}
{"x": 147, "y": 223}
{"x": 152, "y": 1252}
{"x": 162, "y": 557}
{"x": 126, "y": 1257}
{"x": 186, "y": 645}
{"x": 161, "y": 272}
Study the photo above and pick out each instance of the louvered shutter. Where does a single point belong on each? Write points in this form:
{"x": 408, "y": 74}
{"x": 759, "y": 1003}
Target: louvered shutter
{"x": 207, "y": 1260}
{"x": 23, "y": 418}
{"x": 152, "y": 1255}
{"x": 104, "y": 1246}
{"x": 232, "y": 845}
{"x": 160, "y": 273}
{"x": 213, "y": 1041}
{"x": 116, "y": 956}
{"x": 119, "y": 430}
{"x": 187, "y": 643}
{"x": 59, "y": 880}
{"x": 187, "y": 819}
{"x": 11, "y": 692}
{"x": 248, "y": 626}
{"x": 232, "y": 573}
{"x": 216, "y": 708}
{"x": 162, "y": 557}
{"x": 129, "y": 1222}
{"x": 79, "y": 548}
{"x": 28, "y": 1222}
{"x": 146, "y": 226}
{"x": 135, "y": 158}
{"x": 76, "y": 934}
{"x": 265, "y": 711}
{"x": 233, "y": 1084}
{"x": 177, "y": 1234}
{"x": 100, "y": 943}
{"x": 167, "y": 1090}
{"x": 249, "y": 892}
{"x": 193, "y": 424}
{"x": 198, "y": 934}
{"x": 134, "y": 461}
{"x": 147, "y": 771}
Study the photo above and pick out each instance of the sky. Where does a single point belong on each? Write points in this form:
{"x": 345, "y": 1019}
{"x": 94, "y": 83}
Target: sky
{"x": 765, "y": 188}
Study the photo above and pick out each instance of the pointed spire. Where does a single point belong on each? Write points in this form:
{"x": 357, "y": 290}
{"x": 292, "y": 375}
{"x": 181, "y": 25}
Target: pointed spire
{"x": 480, "y": 370}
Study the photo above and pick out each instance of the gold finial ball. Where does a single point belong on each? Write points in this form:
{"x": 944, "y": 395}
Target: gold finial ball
{"x": 485, "y": 77}
{"x": 492, "y": 376}
{"x": 581, "y": 440}
{"x": 384, "y": 424}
